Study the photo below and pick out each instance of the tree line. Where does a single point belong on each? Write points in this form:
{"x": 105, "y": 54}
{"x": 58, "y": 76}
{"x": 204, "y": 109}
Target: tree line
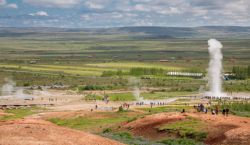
{"x": 240, "y": 72}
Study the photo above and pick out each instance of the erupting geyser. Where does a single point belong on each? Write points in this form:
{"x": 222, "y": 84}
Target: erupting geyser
{"x": 215, "y": 68}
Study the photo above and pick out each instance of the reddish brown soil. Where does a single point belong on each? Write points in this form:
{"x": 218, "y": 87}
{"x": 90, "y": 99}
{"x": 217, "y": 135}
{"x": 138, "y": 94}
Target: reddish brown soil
{"x": 147, "y": 126}
{"x": 39, "y": 132}
{"x": 231, "y": 130}
{"x": 2, "y": 113}
{"x": 217, "y": 133}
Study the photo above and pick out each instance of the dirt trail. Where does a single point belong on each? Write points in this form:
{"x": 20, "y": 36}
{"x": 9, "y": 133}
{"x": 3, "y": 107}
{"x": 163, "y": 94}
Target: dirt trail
{"x": 40, "y": 132}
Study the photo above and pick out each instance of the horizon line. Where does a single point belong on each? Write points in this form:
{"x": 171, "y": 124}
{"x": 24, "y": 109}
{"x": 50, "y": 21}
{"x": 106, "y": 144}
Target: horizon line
{"x": 125, "y": 27}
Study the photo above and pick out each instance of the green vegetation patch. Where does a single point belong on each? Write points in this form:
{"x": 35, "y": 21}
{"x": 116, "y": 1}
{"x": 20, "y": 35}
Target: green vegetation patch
{"x": 181, "y": 141}
{"x": 163, "y": 95}
{"x": 99, "y": 121}
{"x": 129, "y": 65}
{"x": 165, "y": 109}
{"x": 237, "y": 86}
{"x": 91, "y": 97}
{"x": 127, "y": 138}
{"x": 188, "y": 128}
{"x": 19, "y": 113}
{"x": 237, "y": 108}
{"x": 94, "y": 87}
{"x": 122, "y": 97}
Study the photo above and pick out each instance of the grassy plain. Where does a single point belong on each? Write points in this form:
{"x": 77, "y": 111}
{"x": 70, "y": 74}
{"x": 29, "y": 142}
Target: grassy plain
{"x": 79, "y": 58}
{"x": 97, "y": 122}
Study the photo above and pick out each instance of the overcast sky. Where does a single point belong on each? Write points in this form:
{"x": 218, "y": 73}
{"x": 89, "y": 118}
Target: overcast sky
{"x": 117, "y": 13}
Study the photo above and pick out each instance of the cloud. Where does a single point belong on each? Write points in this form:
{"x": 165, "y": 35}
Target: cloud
{"x": 159, "y": 9}
{"x": 4, "y": 4}
{"x": 100, "y": 4}
{"x": 39, "y": 13}
{"x": 53, "y": 3}
{"x": 93, "y": 5}
{"x": 98, "y": 13}
{"x": 13, "y": 6}
{"x": 141, "y": 7}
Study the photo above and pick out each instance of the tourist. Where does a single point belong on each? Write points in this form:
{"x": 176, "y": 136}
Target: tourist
{"x": 224, "y": 112}
{"x": 151, "y": 104}
{"x": 213, "y": 112}
{"x": 217, "y": 110}
{"x": 227, "y": 111}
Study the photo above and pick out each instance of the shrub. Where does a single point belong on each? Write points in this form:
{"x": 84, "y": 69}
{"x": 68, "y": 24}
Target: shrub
{"x": 146, "y": 71}
{"x": 125, "y": 135}
{"x": 120, "y": 109}
{"x": 132, "y": 119}
{"x": 107, "y": 130}
{"x": 94, "y": 87}
{"x": 183, "y": 141}
{"x": 26, "y": 84}
{"x": 90, "y": 97}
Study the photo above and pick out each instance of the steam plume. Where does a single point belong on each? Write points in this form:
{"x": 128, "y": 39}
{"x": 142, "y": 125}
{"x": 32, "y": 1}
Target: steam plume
{"x": 215, "y": 67}
{"x": 8, "y": 88}
{"x": 136, "y": 90}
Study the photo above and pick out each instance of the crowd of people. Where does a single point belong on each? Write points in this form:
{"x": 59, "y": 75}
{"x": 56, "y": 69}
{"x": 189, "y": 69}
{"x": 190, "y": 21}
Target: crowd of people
{"x": 156, "y": 103}
{"x": 227, "y": 98}
{"x": 214, "y": 111}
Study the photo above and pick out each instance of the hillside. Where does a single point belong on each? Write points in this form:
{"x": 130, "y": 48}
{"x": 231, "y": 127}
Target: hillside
{"x": 139, "y": 32}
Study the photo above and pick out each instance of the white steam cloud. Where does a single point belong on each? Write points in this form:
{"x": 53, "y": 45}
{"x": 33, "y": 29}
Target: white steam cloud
{"x": 215, "y": 68}
{"x": 135, "y": 83}
{"x": 8, "y": 88}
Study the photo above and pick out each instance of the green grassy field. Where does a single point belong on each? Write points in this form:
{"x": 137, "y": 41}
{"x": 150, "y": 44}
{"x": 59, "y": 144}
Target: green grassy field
{"x": 164, "y": 95}
{"x": 81, "y": 59}
{"x": 237, "y": 108}
{"x": 154, "y": 110}
{"x": 121, "y": 97}
{"x": 95, "y": 123}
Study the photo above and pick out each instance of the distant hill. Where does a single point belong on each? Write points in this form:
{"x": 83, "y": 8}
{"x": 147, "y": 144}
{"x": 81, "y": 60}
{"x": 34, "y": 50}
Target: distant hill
{"x": 141, "y": 32}
{"x": 193, "y": 32}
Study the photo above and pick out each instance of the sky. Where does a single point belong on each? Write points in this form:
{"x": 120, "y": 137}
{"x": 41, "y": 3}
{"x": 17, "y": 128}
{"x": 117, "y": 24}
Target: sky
{"x": 119, "y": 13}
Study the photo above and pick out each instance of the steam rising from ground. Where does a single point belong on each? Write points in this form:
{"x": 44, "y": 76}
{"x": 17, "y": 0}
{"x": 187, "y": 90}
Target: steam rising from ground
{"x": 8, "y": 88}
{"x": 135, "y": 83}
{"x": 215, "y": 68}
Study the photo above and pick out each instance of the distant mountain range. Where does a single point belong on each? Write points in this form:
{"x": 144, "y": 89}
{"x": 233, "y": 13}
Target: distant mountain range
{"x": 141, "y": 32}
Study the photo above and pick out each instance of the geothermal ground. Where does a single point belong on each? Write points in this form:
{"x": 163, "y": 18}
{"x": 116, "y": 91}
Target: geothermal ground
{"x": 72, "y": 120}
{"x": 222, "y": 130}
{"x": 37, "y": 132}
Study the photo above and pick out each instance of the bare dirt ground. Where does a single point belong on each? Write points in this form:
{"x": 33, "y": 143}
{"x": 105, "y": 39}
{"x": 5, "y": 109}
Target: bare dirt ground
{"x": 2, "y": 113}
{"x": 231, "y": 130}
{"x": 40, "y": 132}
{"x": 66, "y": 100}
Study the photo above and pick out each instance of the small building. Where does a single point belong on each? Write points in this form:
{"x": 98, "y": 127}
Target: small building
{"x": 185, "y": 74}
